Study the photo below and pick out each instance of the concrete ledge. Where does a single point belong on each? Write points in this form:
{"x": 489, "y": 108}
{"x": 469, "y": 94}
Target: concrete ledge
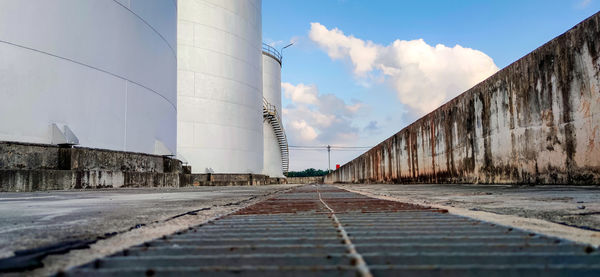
{"x": 226, "y": 179}
{"x": 24, "y": 180}
{"x": 48, "y": 179}
{"x": 278, "y": 180}
{"x": 150, "y": 179}
{"x": 306, "y": 180}
{"x": 17, "y": 155}
{"x": 37, "y": 167}
{"x": 98, "y": 159}
{"x": 34, "y": 167}
{"x": 34, "y": 180}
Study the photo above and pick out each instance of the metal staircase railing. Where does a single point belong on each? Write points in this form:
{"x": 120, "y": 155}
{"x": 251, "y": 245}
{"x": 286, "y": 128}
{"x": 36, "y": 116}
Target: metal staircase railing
{"x": 271, "y": 51}
{"x": 270, "y": 114}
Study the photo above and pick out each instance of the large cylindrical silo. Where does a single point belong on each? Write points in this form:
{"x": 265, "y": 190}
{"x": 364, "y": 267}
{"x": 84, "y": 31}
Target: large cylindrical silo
{"x": 220, "y": 85}
{"x": 274, "y": 136}
{"x": 104, "y": 69}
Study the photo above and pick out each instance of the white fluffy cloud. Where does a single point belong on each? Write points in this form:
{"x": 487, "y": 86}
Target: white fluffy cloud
{"x": 317, "y": 119}
{"x": 301, "y": 93}
{"x": 423, "y": 76}
{"x": 338, "y": 46}
{"x": 302, "y": 130}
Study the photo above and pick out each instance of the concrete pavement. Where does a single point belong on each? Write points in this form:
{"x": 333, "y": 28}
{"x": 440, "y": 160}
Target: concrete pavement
{"x": 116, "y": 219}
{"x": 31, "y": 220}
{"x": 571, "y": 205}
{"x": 320, "y": 230}
{"x": 571, "y": 212}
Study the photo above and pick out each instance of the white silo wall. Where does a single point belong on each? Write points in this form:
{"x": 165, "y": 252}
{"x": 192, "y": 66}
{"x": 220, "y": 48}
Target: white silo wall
{"x": 220, "y": 85}
{"x": 272, "y": 94}
{"x": 106, "y": 69}
{"x": 272, "y": 80}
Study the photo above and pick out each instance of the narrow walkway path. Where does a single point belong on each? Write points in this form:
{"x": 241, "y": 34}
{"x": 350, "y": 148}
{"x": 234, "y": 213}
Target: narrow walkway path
{"x": 326, "y": 231}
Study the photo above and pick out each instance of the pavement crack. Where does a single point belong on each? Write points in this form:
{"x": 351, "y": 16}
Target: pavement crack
{"x": 240, "y": 202}
{"x": 193, "y": 212}
{"x": 32, "y": 258}
{"x": 583, "y": 227}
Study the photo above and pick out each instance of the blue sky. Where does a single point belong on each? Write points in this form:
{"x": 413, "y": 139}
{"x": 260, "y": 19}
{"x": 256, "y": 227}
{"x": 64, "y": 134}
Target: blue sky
{"x": 347, "y": 83}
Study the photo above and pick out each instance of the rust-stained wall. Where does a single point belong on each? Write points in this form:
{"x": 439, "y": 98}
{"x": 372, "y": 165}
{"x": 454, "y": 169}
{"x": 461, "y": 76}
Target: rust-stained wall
{"x": 535, "y": 121}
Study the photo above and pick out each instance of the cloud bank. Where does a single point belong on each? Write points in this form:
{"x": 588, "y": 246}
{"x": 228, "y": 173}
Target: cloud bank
{"x": 423, "y": 76}
{"x": 315, "y": 118}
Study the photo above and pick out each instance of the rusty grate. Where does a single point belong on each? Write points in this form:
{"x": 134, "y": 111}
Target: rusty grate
{"x": 296, "y": 234}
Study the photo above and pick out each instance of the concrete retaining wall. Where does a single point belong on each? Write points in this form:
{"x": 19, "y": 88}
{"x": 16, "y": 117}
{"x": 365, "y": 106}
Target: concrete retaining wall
{"x": 535, "y": 121}
{"x": 226, "y": 179}
{"x": 17, "y": 155}
{"x": 305, "y": 180}
{"x": 34, "y": 167}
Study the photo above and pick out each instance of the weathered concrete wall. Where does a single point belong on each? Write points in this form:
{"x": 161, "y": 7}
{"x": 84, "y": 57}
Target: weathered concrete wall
{"x": 17, "y": 155}
{"x": 34, "y": 167}
{"x": 226, "y": 179}
{"x": 305, "y": 180}
{"x": 535, "y": 121}
{"x": 99, "y": 159}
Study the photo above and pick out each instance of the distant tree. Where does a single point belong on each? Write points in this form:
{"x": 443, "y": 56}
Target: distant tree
{"x": 311, "y": 172}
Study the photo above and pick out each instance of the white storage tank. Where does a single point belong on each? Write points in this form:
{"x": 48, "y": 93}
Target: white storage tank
{"x": 220, "y": 85}
{"x": 275, "y": 142}
{"x": 104, "y": 69}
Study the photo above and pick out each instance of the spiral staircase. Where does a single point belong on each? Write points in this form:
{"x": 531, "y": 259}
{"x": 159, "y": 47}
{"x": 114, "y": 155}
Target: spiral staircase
{"x": 271, "y": 115}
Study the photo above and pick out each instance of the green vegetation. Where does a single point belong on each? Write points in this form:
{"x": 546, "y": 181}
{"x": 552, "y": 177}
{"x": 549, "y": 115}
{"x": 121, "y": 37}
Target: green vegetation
{"x": 307, "y": 173}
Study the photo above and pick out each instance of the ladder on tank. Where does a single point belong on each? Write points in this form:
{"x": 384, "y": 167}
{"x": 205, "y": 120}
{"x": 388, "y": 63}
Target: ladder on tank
{"x": 270, "y": 114}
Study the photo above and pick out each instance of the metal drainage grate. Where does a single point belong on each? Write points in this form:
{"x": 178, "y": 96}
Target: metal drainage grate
{"x": 297, "y": 234}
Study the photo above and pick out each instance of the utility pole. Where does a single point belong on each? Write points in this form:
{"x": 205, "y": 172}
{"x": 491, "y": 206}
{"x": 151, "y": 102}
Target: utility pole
{"x": 328, "y": 158}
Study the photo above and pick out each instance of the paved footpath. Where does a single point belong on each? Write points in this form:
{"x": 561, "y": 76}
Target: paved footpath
{"x": 326, "y": 231}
